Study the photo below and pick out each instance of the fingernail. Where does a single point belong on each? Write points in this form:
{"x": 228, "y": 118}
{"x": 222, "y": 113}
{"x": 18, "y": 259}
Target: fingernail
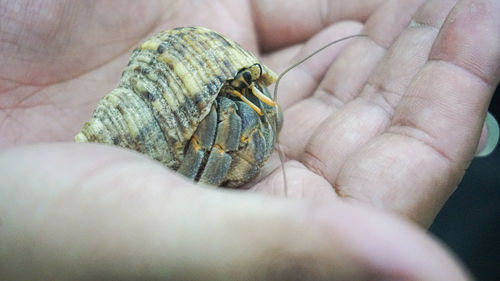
{"x": 492, "y": 137}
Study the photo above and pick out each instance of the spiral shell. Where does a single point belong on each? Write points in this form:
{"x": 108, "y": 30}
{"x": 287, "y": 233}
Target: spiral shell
{"x": 169, "y": 106}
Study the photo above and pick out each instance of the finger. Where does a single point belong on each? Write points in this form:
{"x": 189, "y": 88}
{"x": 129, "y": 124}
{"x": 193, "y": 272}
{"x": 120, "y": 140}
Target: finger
{"x": 301, "y": 81}
{"x": 345, "y": 77}
{"x": 282, "y": 23}
{"x": 367, "y": 116}
{"x": 116, "y": 215}
{"x": 348, "y": 75}
{"x": 414, "y": 167}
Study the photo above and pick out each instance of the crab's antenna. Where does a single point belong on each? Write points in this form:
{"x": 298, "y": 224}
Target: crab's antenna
{"x": 275, "y": 96}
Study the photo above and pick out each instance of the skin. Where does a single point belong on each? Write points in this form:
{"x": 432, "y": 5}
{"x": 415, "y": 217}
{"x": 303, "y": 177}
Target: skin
{"x": 378, "y": 133}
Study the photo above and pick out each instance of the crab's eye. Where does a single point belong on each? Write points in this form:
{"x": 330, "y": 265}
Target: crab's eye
{"x": 248, "y": 77}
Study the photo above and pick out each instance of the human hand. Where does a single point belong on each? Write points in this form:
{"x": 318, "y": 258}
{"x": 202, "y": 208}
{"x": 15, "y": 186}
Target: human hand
{"x": 101, "y": 211}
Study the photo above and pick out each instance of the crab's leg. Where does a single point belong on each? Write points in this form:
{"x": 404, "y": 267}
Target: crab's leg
{"x": 226, "y": 140}
{"x": 246, "y": 164}
{"x": 245, "y": 100}
{"x": 200, "y": 144}
{"x": 256, "y": 92}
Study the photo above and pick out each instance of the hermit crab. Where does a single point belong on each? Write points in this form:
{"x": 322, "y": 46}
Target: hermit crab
{"x": 195, "y": 101}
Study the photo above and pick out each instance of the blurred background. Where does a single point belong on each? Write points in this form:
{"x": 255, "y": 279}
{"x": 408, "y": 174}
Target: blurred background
{"x": 469, "y": 223}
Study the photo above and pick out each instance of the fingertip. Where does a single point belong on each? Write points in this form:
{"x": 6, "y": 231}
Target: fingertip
{"x": 282, "y": 23}
{"x": 468, "y": 39}
{"x": 489, "y": 136}
{"x": 385, "y": 247}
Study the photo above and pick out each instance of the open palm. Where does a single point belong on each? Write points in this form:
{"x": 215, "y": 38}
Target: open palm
{"x": 385, "y": 122}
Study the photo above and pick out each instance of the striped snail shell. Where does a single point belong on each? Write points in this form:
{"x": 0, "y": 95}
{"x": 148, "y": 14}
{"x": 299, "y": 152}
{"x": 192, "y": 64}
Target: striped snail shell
{"x": 195, "y": 101}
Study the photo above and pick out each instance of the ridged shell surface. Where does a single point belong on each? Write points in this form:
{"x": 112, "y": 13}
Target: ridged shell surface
{"x": 166, "y": 90}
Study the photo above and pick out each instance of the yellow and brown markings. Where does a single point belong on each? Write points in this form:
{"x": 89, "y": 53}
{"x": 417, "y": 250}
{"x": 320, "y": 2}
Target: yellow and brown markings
{"x": 168, "y": 106}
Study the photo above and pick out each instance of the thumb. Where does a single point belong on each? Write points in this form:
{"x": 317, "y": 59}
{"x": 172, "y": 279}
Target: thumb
{"x": 71, "y": 211}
